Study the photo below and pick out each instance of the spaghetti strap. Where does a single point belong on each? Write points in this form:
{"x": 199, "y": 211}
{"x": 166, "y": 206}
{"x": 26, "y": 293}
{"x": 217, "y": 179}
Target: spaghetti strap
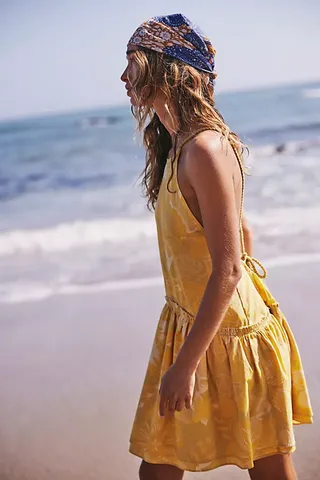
{"x": 251, "y": 262}
{"x": 192, "y": 135}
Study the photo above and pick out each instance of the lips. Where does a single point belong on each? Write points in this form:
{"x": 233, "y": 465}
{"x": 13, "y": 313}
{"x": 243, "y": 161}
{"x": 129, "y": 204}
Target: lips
{"x": 129, "y": 92}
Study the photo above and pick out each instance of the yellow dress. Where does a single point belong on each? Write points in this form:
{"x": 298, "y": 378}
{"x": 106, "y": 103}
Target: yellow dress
{"x": 250, "y": 386}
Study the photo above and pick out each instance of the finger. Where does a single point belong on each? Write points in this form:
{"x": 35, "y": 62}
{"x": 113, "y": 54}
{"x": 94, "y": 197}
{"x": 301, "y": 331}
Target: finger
{"x": 188, "y": 401}
{"x": 162, "y": 405}
{"x": 172, "y": 403}
{"x": 179, "y": 405}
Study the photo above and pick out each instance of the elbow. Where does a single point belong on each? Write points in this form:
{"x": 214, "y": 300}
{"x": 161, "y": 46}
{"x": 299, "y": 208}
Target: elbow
{"x": 229, "y": 274}
{"x": 235, "y": 273}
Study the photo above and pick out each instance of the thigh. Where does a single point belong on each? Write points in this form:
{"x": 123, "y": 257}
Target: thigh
{"x": 150, "y": 471}
{"x": 275, "y": 467}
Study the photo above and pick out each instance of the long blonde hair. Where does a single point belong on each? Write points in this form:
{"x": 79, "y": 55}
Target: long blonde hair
{"x": 190, "y": 92}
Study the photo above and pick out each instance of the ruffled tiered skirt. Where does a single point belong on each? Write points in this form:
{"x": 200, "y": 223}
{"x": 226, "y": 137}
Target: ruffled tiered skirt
{"x": 250, "y": 391}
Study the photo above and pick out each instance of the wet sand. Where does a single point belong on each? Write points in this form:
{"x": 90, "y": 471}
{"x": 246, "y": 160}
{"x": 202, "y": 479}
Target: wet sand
{"x": 71, "y": 369}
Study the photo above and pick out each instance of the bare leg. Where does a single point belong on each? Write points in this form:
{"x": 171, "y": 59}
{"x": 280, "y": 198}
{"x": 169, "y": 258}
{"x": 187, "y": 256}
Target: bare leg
{"x": 150, "y": 471}
{"x": 275, "y": 467}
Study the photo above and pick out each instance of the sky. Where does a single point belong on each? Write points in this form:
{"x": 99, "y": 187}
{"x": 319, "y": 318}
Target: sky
{"x": 63, "y": 55}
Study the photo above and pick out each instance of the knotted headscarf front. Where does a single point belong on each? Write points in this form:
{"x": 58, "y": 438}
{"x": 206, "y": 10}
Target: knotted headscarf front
{"x": 178, "y": 37}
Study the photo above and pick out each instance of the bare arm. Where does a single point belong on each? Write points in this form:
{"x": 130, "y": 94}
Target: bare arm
{"x": 211, "y": 178}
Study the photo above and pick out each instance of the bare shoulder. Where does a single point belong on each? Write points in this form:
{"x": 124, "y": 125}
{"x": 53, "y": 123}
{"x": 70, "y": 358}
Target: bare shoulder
{"x": 209, "y": 152}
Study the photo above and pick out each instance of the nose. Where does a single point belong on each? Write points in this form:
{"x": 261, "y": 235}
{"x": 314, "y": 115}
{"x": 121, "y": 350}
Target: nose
{"x": 124, "y": 76}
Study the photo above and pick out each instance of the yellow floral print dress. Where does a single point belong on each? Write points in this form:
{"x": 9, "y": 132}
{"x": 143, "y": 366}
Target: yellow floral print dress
{"x": 250, "y": 386}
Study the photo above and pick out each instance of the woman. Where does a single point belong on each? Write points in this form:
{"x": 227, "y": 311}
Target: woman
{"x": 225, "y": 382}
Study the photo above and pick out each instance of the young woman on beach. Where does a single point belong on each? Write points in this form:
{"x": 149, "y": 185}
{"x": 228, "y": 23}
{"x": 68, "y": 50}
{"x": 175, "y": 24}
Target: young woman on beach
{"x": 225, "y": 383}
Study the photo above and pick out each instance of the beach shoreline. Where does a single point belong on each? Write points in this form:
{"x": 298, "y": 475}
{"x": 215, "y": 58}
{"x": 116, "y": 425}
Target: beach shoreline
{"x": 71, "y": 370}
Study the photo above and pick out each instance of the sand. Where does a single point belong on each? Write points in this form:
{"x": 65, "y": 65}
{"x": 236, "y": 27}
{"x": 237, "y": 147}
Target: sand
{"x": 71, "y": 369}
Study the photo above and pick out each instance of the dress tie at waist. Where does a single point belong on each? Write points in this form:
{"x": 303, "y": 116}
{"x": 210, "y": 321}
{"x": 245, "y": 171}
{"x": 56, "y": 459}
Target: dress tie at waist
{"x": 254, "y": 265}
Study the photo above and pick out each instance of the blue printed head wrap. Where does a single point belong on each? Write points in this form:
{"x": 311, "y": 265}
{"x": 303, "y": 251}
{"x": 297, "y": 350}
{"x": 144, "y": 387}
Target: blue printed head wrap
{"x": 178, "y": 37}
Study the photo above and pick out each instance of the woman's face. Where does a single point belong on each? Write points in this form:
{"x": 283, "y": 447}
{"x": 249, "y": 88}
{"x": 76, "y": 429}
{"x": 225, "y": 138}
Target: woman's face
{"x": 130, "y": 75}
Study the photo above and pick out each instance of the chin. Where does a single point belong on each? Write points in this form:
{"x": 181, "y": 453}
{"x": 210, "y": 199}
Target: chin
{"x": 133, "y": 102}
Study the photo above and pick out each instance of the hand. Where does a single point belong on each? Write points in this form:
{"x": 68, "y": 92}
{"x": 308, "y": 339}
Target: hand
{"x": 176, "y": 390}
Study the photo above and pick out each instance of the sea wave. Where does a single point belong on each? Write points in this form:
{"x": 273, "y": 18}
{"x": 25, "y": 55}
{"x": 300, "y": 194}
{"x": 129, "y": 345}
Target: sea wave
{"x": 72, "y": 235}
{"x": 277, "y": 222}
{"x": 11, "y": 188}
{"x": 285, "y": 148}
{"x": 278, "y": 130}
{"x": 273, "y": 222}
{"x": 19, "y": 292}
{"x": 311, "y": 93}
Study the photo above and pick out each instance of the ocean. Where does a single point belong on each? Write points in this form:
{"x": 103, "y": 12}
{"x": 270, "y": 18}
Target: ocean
{"x": 72, "y": 217}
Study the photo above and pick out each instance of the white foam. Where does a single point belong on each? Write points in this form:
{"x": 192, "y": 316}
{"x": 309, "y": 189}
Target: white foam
{"x": 68, "y": 236}
{"x": 276, "y": 222}
{"x": 288, "y": 148}
{"x": 311, "y": 93}
{"x": 266, "y": 150}
{"x": 119, "y": 231}
{"x": 286, "y": 261}
{"x": 29, "y": 292}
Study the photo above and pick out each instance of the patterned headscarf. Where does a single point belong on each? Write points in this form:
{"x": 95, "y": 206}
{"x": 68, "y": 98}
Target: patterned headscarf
{"x": 178, "y": 37}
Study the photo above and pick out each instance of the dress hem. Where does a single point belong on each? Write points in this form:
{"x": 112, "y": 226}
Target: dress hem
{"x": 302, "y": 420}
{"x": 215, "y": 463}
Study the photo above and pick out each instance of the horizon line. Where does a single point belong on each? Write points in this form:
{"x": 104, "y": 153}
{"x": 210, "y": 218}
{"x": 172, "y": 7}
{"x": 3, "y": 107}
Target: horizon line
{"x": 70, "y": 111}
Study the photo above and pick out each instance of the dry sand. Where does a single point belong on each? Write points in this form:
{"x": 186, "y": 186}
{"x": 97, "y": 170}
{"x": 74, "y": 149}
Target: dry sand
{"x": 71, "y": 369}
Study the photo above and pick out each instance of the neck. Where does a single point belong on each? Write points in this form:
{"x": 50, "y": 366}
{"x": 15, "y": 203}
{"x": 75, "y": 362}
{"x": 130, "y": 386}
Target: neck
{"x": 170, "y": 120}
{"x": 167, "y": 116}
